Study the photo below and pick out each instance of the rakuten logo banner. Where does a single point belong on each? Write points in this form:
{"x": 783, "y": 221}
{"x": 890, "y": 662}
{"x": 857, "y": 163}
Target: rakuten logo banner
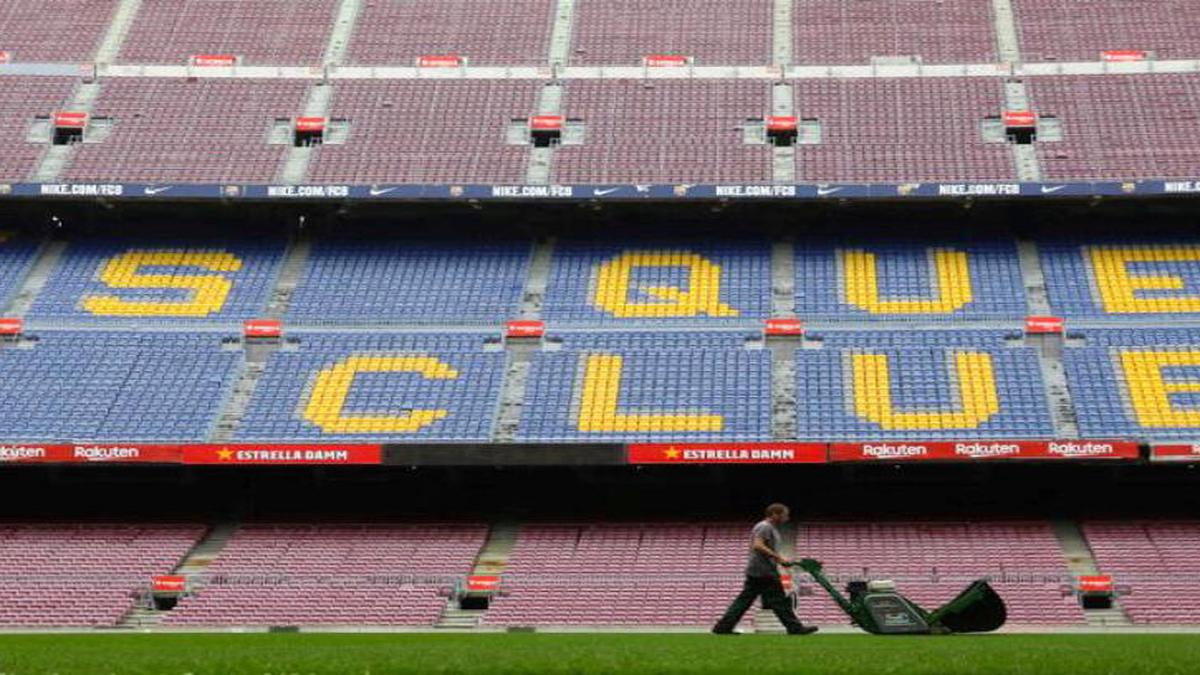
{"x": 952, "y": 451}
{"x": 81, "y": 454}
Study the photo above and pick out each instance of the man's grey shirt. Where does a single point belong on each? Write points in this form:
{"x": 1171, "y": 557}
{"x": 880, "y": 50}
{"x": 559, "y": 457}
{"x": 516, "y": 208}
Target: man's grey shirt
{"x": 760, "y": 565}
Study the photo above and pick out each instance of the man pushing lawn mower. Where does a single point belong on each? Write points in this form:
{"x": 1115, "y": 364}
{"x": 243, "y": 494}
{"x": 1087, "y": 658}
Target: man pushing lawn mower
{"x": 762, "y": 578}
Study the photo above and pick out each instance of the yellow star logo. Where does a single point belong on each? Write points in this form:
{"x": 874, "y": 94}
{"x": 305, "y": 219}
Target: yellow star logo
{"x": 225, "y": 454}
{"x": 671, "y": 453}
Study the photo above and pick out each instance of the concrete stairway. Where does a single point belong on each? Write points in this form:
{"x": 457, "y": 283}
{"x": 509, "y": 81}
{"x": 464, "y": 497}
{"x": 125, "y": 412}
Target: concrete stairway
{"x": 196, "y": 561}
{"x": 492, "y": 560}
{"x": 1081, "y": 563}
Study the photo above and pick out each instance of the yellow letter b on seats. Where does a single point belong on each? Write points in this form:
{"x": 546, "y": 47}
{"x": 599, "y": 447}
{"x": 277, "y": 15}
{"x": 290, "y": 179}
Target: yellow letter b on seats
{"x": 951, "y": 272}
{"x": 1150, "y": 393}
{"x": 601, "y": 396}
{"x": 978, "y": 400}
{"x": 1118, "y": 287}
{"x": 701, "y": 295}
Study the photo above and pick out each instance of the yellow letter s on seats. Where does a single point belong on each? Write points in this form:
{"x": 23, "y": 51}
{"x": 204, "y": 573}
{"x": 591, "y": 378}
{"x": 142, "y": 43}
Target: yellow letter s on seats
{"x": 1118, "y": 288}
{"x": 701, "y": 297}
{"x": 953, "y": 291}
{"x": 978, "y": 400}
{"x": 332, "y": 387}
{"x": 209, "y": 291}
{"x": 601, "y": 396}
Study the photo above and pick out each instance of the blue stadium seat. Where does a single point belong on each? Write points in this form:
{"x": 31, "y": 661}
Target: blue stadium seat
{"x": 114, "y": 386}
{"x": 378, "y": 387}
{"x": 141, "y": 281}
{"x": 16, "y": 257}
{"x": 652, "y": 283}
{"x": 1136, "y": 383}
{"x": 1122, "y": 279}
{"x": 909, "y": 281}
{"x": 374, "y": 282}
{"x": 919, "y": 385}
{"x": 628, "y": 386}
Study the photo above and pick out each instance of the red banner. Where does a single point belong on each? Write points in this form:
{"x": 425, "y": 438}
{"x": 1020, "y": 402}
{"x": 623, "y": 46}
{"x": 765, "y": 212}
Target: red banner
{"x": 310, "y": 124}
{"x": 546, "y": 122}
{"x": 214, "y": 60}
{"x": 70, "y": 120}
{"x": 244, "y": 453}
{"x": 1019, "y": 118}
{"x": 726, "y": 453}
{"x": 1097, "y": 583}
{"x": 1177, "y": 452}
{"x": 665, "y": 60}
{"x": 781, "y": 123}
{"x": 784, "y": 327}
{"x": 239, "y": 453}
{"x": 131, "y": 453}
{"x": 11, "y": 326}
{"x": 483, "y": 583}
{"x": 169, "y": 583}
{"x": 524, "y": 329}
{"x": 439, "y": 61}
{"x": 1123, "y": 55}
{"x": 5, "y": 57}
{"x": 262, "y": 328}
{"x": 1043, "y": 325}
{"x": 981, "y": 450}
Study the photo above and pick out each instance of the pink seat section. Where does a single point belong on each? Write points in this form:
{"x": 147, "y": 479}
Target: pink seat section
{"x": 1157, "y": 561}
{"x": 83, "y": 575}
{"x": 174, "y": 131}
{"x": 262, "y": 32}
{"x": 658, "y": 574}
{"x": 333, "y": 575}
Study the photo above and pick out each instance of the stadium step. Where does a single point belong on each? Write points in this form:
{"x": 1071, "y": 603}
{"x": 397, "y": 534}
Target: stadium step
{"x": 1081, "y": 562}
{"x": 493, "y": 557}
{"x": 206, "y": 550}
{"x": 492, "y": 560}
{"x": 46, "y": 262}
{"x": 141, "y": 618}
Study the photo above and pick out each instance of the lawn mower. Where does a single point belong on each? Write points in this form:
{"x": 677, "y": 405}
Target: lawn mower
{"x": 876, "y": 607}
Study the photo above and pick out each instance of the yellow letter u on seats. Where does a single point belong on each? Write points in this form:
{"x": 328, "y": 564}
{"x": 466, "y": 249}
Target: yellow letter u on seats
{"x": 978, "y": 400}
{"x": 952, "y": 273}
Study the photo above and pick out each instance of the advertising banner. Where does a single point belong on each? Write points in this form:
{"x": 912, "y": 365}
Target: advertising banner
{"x": 726, "y": 453}
{"x": 956, "y": 451}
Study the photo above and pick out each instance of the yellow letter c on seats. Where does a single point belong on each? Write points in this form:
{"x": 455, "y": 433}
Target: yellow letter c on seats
{"x": 701, "y": 297}
{"x": 332, "y": 387}
{"x": 209, "y": 291}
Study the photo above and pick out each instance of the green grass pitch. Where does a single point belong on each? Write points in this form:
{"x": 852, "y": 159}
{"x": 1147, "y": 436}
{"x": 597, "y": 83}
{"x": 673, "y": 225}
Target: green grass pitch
{"x": 347, "y": 654}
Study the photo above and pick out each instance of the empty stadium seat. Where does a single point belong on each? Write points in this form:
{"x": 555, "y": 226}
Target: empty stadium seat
{"x": 153, "y": 280}
{"x": 378, "y": 387}
{"x": 413, "y": 282}
{"x": 922, "y": 385}
{"x": 1129, "y": 383}
{"x": 658, "y": 283}
{"x": 1155, "y": 562}
{"x": 637, "y": 387}
{"x": 908, "y": 281}
{"x": 110, "y": 386}
{"x": 332, "y": 574}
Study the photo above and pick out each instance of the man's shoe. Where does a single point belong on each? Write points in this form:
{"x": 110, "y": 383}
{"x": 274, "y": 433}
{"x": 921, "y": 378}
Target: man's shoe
{"x": 720, "y": 631}
{"x": 804, "y": 630}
